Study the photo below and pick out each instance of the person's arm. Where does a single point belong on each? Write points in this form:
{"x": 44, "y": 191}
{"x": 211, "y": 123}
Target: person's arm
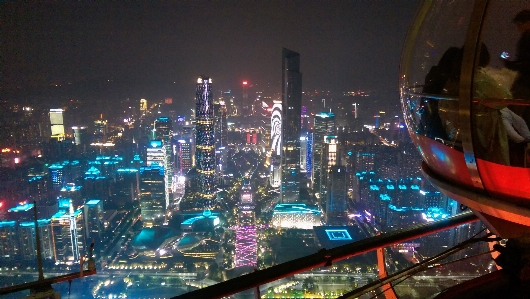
{"x": 510, "y": 131}
{"x": 522, "y": 63}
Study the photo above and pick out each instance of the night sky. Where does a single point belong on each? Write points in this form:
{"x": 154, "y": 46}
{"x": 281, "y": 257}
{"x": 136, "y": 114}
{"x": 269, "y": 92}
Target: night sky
{"x": 158, "y": 49}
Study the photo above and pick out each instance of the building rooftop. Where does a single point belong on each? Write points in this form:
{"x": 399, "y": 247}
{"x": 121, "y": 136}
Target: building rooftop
{"x": 21, "y": 208}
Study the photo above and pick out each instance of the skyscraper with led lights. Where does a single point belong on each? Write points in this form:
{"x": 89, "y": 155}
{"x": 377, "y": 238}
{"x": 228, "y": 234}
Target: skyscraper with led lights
{"x": 291, "y": 123}
{"x": 205, "y": 143}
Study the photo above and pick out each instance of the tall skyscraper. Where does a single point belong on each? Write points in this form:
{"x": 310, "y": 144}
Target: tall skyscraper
{"x": 220, "y": 124}
{"x": 276, "y": 144}
{"x": 221, "y": 134}
{"x": 324, "y": 125}
{"x": 93, "y": 215}
{"x": 205, "y": 143}
{"x": 27, "y": 239}
{"x": 100, "y": 130}
{"x": 143, "y": 106}
{"x": 57, "y": 124}
{"x": 152, "y": 198}
{"x": 68, "y": 232}
{"x": 291, "y": 122}
{"x": 336, "y": 201}
{"x": 164, "y": 132}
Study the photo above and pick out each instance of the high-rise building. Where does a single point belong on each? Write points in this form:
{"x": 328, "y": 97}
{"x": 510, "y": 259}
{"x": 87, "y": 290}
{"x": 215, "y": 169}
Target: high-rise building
{"x": 143, "y": 106}
{"x": 155, "y": 153}
{"x": 220, "y": 124}
{"x": 127, "y": 184}
{"x": 324, "y": 125}
{"x": 246, "y": 239}
{"x": 164, "y": 132}
{"x": 81, "y": 138}
{"x": 330, "y": 156}
{"x": 152, "y": 196}
{"x": 68, "y": 231}
{"x": 291, "y": 122}
{"x": 184, "y": 156}
{"x": 276, "y": 144}
{"x": 100, "y": 131}
{"x": 93, "y": 215}
{"x": 309, "y": 155}
{"x": 336, "y": 201}
{"x": 7, "y": 240}
{"x": 27, "y": 239}
{"x": 205, "y": 143}
{"x": 303, "y": 153}
{"x": 57, "y": 123}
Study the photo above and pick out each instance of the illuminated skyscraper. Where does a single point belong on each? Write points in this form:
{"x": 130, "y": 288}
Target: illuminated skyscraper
{"x": 324, "y": 125}
{"x": 152, "y": 197}
{"x": 331, "y": 152}
{"x": 68, "y": 231}
{"x": 291, "y": 122}
{"x": 57, "y": 124}
{"x": 93, "y": 210}
{"x": 155, "y": 153}
{"x": 81, "y": 138}
{"x": 27, "y": 239}
{"x": 100, "y": 130}
{"x": 246, "y": 241}
{"x": 220, "y": 124}
{"x": 164, "y": 132}
{"x": 143, "y": 106}
{"x": 7, "y": 240}
{"x": 336, "y": 201}
{"x": 205, "y": 143}
{"x": 276, "y": 144}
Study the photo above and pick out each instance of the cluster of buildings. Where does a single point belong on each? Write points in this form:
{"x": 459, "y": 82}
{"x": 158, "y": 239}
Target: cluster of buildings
{"x": 63, "y": 231}
{"x": 164, "y": 164}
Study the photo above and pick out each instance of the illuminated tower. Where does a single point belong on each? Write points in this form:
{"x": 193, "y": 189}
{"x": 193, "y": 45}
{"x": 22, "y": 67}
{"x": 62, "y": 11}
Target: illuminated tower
{"x": 7, "y": 240}
{"x": 93, "y": 214}
{"x": 100, "y": 130}
{"x": 291, "y": 122}
{"x": 246, "y": 240}
{"x": 81, "y": 138}
{"x": 205, "y": 143}
{"x": 221, "y": 132}
{"x": 152, "y": 196}
{"x": 68, "y": 235}
{"x": 57, "y": 125}
{"x": 220, "y": 124}
{"x": 163, "y": 132}
{"x": 336, "y": 198}
{"x": 331, "y": 152}
{"x": 27, "y": 239}
{"x": 276, "y": 144}
{"x": 324, "y": 125}
{"x": 143, "y": 106}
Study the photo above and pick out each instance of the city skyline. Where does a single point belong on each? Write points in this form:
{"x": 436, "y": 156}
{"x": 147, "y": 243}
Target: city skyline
{"x": 266, "y": 186}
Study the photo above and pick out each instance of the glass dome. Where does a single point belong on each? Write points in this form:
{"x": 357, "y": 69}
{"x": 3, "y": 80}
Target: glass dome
{"x": 465, "y": 95}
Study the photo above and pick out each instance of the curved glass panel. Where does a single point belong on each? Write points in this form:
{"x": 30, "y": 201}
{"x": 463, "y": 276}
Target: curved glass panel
{"x": 500, "y": 109}
{"x": 431, "y": 66}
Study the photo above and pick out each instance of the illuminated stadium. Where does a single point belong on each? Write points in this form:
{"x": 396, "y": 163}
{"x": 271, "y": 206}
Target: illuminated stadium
{"x": 302, "y": 216}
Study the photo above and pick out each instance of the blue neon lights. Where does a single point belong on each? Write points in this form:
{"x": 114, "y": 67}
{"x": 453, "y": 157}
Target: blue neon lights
{"x": 338, "y": 235}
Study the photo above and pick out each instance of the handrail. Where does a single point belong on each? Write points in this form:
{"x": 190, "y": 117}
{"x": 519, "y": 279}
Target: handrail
{"x": 326, "y": 257}
{"x": 45, "y": 282}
